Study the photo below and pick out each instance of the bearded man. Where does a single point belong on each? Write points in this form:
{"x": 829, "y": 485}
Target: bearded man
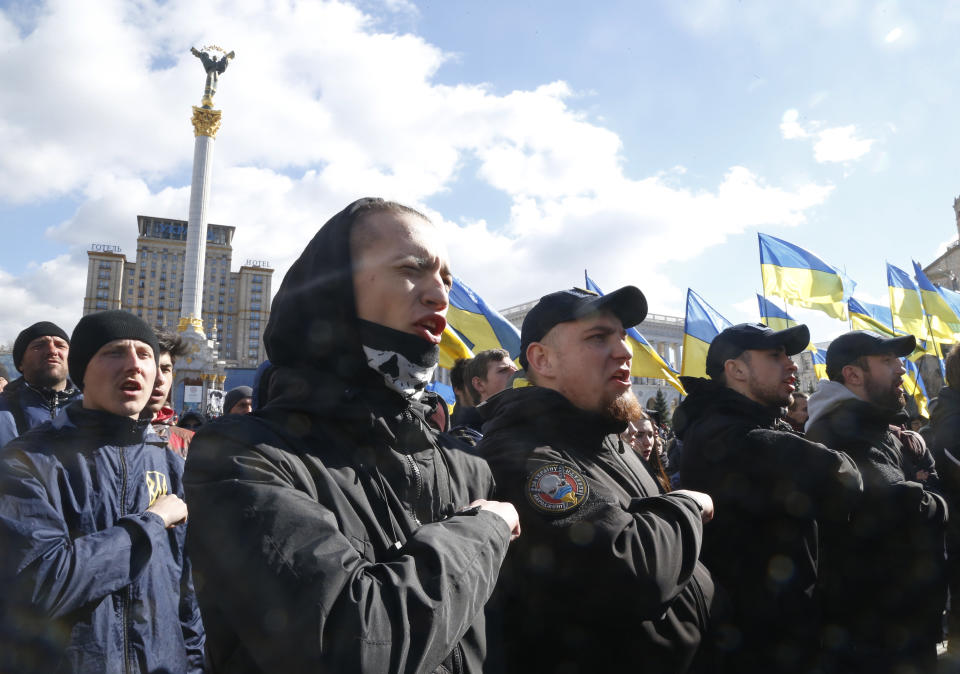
{"x": 772, "y": 490}
{"x": 884, "y": 584}
{"x": 606, "y": 575}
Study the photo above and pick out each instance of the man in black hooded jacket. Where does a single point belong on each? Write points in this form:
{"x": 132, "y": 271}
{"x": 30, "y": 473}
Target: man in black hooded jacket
{"x": 945, "y": 446}
{"x": 333, "y": 529}
{"x": 606, "y": 576}
{"x": 772, "y": 489}
{"x": 884, "y": 583}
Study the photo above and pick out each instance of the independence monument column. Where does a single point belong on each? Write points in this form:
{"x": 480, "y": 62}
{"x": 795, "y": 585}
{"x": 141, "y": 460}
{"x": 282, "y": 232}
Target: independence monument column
{"x": 206, "y": 123}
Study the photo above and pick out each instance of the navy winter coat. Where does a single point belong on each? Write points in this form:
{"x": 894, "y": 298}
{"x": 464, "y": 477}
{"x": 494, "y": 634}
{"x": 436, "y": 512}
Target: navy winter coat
{"x": 23, "y": 407}
{"x": 91, "y": 582}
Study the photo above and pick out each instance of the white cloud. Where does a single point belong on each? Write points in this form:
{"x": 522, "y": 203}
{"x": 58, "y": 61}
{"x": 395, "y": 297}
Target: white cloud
{"x": 840, "y": 144}
{"x": 837, "y": 144}
{"x": 893, "y": 35}
{"x": 790, "y": 127}
{"x": 321, "y": 108}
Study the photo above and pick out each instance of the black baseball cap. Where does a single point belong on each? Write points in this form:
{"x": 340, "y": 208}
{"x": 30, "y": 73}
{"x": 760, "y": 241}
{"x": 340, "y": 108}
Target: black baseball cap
{"x": 848, "y": 347}
{"x": 747, "y": 336}
{"x": 628, "y": 304}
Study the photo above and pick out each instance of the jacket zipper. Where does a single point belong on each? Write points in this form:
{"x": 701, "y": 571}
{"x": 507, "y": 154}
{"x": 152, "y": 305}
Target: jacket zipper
{"x": 418, "y": 483}
{"x": 417, "y": 475}
{"x": 458, "y": 658}
{"x": 125, "y": 598}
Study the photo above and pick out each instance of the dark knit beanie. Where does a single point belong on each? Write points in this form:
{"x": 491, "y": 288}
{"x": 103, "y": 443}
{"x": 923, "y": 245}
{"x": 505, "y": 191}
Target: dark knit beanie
{"x": 95, "y": 330}
{"x": 41, "y": 329}
{"x": 234, "y": 396}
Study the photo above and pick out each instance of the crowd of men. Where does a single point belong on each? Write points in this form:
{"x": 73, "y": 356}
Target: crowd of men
{"x": 340, "y": 520}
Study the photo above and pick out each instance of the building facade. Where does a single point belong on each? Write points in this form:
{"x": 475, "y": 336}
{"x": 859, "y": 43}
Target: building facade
{"x": 236, "y": 304}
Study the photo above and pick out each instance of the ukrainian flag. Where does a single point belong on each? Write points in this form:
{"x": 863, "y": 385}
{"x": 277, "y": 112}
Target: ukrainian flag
{"x": 872, "y": 317}
{"x": 646, "y": 361}
{"x": 819, "y": 362}
{"x": 906, "y": 307}
{"x": 802, "y": 278}
{"x": 777, "y": 319}
{"x": 951, "y": 297}
{"x": 478, "y": 326}
{"x": 913, "y": 386}
{"x": 702, "y": 324}
{"x": 452, "y": 348}
{"x": 773, "y": 316}
{"x": 942, "y": 320}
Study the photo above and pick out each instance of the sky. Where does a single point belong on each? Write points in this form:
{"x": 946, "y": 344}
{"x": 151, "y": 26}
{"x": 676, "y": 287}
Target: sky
{"x": 647, "y": 142}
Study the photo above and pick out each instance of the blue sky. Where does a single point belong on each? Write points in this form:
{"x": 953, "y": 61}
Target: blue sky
{"x": 645, "y": 141}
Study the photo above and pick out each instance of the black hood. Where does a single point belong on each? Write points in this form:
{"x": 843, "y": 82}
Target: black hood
{"x": 705, "y": 396}
{"x": 313, "y": 342}
{"x": 313, "y": 319}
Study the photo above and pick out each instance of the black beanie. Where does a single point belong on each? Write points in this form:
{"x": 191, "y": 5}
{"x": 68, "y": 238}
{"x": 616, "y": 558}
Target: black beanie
{"x": 95, "y": 330}
{"x": 41, "y": 329}
{"x": 234, "y": 396}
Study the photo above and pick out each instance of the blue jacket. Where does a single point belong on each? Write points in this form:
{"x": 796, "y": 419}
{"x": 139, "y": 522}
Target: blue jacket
{"x": 33, "y": 406}
{"x": 90, "y": 581}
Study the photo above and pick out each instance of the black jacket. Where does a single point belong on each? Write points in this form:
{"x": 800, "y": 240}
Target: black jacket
{"x": 883, "y": 578}
{"x": 770, "y": 487}
{"x": 605, "y": 577}
{"x": 944, "y": 443}
{"x": 324, "y": 527}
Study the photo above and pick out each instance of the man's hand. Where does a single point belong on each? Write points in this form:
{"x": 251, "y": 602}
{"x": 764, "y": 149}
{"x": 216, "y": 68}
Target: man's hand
{"x": 171, "y": 509}
{"x": 506, "y": 511}
{"x": 702, "y": 499}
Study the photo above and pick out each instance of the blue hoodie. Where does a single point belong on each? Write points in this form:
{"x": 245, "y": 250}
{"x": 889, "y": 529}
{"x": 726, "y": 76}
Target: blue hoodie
{"x": 91, "y": 582}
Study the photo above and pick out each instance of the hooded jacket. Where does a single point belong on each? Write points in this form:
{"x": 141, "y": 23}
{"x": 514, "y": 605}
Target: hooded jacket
{"x": 23, "y": 406}
{"x": 883, "y": 579}
{"x": 944, "y": 437}
{"x": 770, "y": 488}
{"x": 610, "y": 583}
{"x": 91, "y": 581}
{"x": 328, "y": 528}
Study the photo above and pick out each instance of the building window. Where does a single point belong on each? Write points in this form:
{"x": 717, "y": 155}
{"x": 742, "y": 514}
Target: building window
{"x": 101, "y": 305}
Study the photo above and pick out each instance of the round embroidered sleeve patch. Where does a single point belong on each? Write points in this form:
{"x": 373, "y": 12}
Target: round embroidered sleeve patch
{"x": 556, "y": 489}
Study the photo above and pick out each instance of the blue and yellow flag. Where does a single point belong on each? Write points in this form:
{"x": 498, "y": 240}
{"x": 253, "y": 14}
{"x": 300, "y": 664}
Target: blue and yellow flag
{"x": 702, "y": 324}
{"x": 802, "y": 278}
{"x": 951, "y": 297}
{"x": 776, "y": 318}
{"x": 906, "y": 308}
{"x": 943, "y": 323}
{"x": 913, "y": 386}
{"x": 646, "y": 361}
{"x": 819, "y": 362}
{"x": 773, "y": 316}
{"x": 452, "y": 348}
{"x": 477, "y": 325}
{"x": 871, "y": 317}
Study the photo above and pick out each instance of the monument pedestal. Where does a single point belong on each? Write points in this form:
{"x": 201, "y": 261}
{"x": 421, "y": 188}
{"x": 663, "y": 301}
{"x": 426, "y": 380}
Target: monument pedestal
{"x": 199, "y": 367}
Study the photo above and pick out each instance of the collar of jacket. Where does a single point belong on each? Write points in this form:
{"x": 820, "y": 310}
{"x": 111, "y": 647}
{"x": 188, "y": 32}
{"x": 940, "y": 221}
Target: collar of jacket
{"x": 547, "y": 414}
{"x": 856, "y": 419}
{"x": 111, "y": 428}
{"x": 705, "y": 396}
{"x": 299, "y": 398}
{"x": 51, "y": 398}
